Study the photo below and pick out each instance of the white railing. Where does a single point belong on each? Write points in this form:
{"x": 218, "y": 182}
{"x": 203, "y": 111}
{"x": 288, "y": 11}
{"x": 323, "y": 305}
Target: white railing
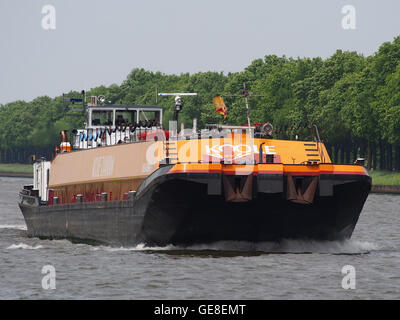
{"x": 93, "y": 138}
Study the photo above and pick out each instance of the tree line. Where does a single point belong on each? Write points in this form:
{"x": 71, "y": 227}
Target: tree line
{"x": 354, "y": 100}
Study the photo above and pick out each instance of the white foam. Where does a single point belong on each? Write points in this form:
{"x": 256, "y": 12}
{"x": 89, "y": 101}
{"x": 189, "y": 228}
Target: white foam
{"x": 24, "y": 246}
{"x": 139, "y": 247}
{"x": 285, "y": 246}
{"x": 13, "y": 226}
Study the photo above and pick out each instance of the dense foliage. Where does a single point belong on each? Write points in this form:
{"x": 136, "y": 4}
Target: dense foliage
{"x": 354, "y": 101}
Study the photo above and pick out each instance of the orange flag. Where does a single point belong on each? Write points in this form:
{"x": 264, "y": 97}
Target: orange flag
{"x": 220, "y": 106}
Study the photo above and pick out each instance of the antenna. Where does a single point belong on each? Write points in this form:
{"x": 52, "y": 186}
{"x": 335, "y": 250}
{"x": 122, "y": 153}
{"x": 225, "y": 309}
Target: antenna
{"x": 178, "y": 101}
{"x": 246, "y": 95}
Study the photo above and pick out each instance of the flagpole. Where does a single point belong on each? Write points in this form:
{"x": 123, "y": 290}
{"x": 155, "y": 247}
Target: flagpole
{"x": 247, "y": 111}
{"x": 245, "y": 95}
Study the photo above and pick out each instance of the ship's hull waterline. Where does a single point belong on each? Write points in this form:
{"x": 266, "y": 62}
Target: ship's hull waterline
{"x": 179, "y": 204}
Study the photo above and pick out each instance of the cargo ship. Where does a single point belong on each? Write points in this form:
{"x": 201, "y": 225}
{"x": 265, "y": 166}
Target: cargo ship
{"x": 125, "y": 180}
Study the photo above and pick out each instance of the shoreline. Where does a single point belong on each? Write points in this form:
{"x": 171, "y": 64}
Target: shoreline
{"x": 394, "y": 189}
{"x": 16, "y": 174}
{"x": 385, "y": 189}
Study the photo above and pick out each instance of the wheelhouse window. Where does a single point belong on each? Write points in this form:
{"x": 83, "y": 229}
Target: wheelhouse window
{"x": 102, "y": 118}
{"x": 153, "y": 116}
{"x": 125, "y": 117}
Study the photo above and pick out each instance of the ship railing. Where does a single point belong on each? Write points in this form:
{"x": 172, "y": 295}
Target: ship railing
{"x": 100, "y": 137}
{"x": 237, "y": 145}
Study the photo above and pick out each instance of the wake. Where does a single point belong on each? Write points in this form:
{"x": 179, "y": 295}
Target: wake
{"x": 284, "y": 246}
{"x": 24, "y": 246}
{"x": 13, "y": 227}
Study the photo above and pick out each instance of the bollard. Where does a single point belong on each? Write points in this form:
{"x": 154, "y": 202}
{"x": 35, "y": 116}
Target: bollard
{"x": 79, "y": 198}
{"x": 55, "y": 200}
{"x": 132, "y": 194}
{"x": 104, "y": 196}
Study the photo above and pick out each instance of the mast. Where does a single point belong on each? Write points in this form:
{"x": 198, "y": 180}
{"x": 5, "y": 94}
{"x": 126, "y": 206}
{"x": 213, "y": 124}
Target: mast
{"x": 246, "y": 95}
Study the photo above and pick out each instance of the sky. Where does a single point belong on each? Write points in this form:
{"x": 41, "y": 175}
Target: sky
{"x": 98, "y": 42}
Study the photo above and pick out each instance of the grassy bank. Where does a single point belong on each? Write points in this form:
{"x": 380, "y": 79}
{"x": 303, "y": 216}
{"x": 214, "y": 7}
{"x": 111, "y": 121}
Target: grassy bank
{"x": 385, "y": 178}
{"x": 16, "y": 168}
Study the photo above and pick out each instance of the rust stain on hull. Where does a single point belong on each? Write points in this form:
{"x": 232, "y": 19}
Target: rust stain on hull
{"x": 115, "y": 190}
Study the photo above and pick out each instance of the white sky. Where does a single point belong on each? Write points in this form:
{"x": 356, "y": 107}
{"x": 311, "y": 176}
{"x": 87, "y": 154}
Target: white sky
{"x": 100, "y": 41}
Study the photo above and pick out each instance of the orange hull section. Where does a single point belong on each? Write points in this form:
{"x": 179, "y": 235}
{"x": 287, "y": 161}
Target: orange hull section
{"x": 120, "y": 168}
{"x": 285, "y": 169}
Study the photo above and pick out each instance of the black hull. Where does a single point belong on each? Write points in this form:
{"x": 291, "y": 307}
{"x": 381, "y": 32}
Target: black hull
{"x": 184, "y": 208}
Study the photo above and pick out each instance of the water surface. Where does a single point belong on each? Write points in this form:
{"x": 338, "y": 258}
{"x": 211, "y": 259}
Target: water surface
{"x": 222, "y": 270}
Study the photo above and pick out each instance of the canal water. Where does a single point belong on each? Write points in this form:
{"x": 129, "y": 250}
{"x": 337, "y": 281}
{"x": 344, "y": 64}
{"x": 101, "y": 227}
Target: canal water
{"x": 367, "y": 265}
